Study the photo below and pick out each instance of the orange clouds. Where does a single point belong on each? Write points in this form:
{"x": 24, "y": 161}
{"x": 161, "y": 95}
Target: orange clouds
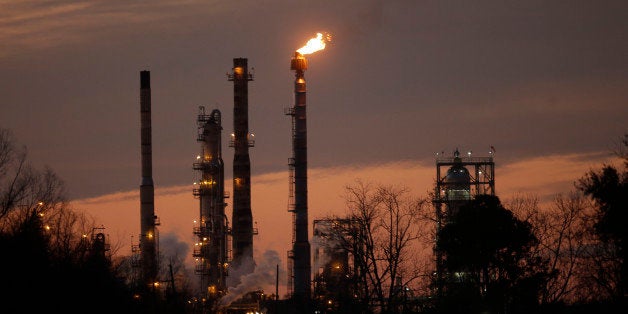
{"x": 176, "y": 207}
{"x": 119, "y": 212}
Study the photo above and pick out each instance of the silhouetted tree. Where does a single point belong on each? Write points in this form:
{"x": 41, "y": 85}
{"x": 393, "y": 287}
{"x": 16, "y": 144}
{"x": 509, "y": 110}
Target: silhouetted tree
{"x": 487, "y": 258}
{"x": 566, "y": 241}
{"x": 608, "y": 188}
{"x": 49, "y": 263}
{"x": 381, "y": 240}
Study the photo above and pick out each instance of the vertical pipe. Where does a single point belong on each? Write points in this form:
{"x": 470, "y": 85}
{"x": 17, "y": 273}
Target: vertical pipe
{"x": 242, "y": 219}
{"x": 148, "y": 250}
{"x": 301, "y": 245}
{"x": 277, "y": 284}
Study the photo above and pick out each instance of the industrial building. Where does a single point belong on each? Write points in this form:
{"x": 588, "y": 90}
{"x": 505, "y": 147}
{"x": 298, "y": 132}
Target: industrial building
{"x": 333, "y": 283}
{"x": 220, "y": 248}
{"x": 211, "y": 250}
{"x": 465, "y": 178}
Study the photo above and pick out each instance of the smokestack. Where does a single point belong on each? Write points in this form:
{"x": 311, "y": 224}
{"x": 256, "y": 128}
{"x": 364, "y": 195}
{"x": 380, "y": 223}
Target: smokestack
{"x": 211, "y": 247}
{"x": 301, "y": 244}
{"x": 148, "y": 251}
{"x": 242, "y": 219}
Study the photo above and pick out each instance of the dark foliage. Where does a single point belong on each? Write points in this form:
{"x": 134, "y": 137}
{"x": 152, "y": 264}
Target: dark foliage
{"x": 37, "y": 281}
{"x": 487, "y": 260}
{"x": 609, "y": 189}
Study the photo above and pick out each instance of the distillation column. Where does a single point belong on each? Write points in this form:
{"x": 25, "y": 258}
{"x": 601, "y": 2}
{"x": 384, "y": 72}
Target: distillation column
{"x": 301, "y": 244}
{"x": 242, "y": 218}
{"x": 210, "y": 249}
{"x": 148, "y": 248}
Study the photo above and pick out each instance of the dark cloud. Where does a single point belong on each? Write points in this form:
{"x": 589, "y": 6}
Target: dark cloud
{"x": 401, "y": 80}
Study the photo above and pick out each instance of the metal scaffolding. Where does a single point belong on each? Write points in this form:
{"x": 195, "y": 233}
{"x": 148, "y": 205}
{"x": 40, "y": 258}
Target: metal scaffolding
{"x": 465, "y": 178}
{"x": 211, "y": 250}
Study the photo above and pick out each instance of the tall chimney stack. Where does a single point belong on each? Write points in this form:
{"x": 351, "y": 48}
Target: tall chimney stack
{"x": 301, "y": 245}
{"x": 148, "y": 251}
{"x": 242, "y": 219}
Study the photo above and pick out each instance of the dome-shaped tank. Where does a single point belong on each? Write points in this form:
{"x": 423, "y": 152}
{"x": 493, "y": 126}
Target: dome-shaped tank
{"x": 457, "y": 181}
{"x": 457, "y": 175}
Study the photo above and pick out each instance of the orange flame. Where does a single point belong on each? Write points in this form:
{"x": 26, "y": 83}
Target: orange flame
{"x": 315, "y": 44}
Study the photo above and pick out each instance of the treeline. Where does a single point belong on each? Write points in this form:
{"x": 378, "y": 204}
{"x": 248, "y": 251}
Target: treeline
{"x": 50, "y": 261}
{"x": 391, "y": 253}
{"x": 55, "y": 259}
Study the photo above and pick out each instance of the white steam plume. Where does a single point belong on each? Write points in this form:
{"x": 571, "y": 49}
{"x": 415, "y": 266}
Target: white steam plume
{"x": 264, "y": 275}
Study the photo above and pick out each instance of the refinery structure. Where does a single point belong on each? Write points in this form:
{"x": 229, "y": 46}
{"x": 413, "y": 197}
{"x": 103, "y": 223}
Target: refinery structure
{"x": 459, "y": 179}
{"x": 241, "y": 140}
{"x": 299, "y": 258}
{"x": 224, "y": 247}
{"x": 299, "y": 268}
{"x": 219, "y": 247}
{"x": 148, "y": 238}
{"x": 465, "y": 178}
{"x": 211, "y": 250}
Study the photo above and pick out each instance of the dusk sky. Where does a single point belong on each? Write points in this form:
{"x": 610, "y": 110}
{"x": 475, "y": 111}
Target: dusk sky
{"x": 544, "y": 82}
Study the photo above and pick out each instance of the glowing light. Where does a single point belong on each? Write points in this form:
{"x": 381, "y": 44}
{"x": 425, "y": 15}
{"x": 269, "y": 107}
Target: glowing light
{"x": 315, "y": 44}
{"x": 208, "y": 182}
{"x": 47, "y": 227}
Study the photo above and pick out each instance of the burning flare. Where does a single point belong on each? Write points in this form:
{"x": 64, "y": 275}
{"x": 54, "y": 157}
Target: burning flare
{"x": 315, "y": 44}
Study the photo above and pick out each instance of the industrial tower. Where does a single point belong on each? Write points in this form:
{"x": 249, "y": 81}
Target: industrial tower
{"x": 211, "y": 250}
{"x": 300, "y": 275}
{"x": 334, "y": 275}
{"x": 242, "y": 218}
{"x": 148, "y": 220}
{"x": 466, "y": 178}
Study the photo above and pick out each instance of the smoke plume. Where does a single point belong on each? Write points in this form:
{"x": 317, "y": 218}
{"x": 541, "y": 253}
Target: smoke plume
{"x": 170, "y": 246}
{"x": 264, "y": 275}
